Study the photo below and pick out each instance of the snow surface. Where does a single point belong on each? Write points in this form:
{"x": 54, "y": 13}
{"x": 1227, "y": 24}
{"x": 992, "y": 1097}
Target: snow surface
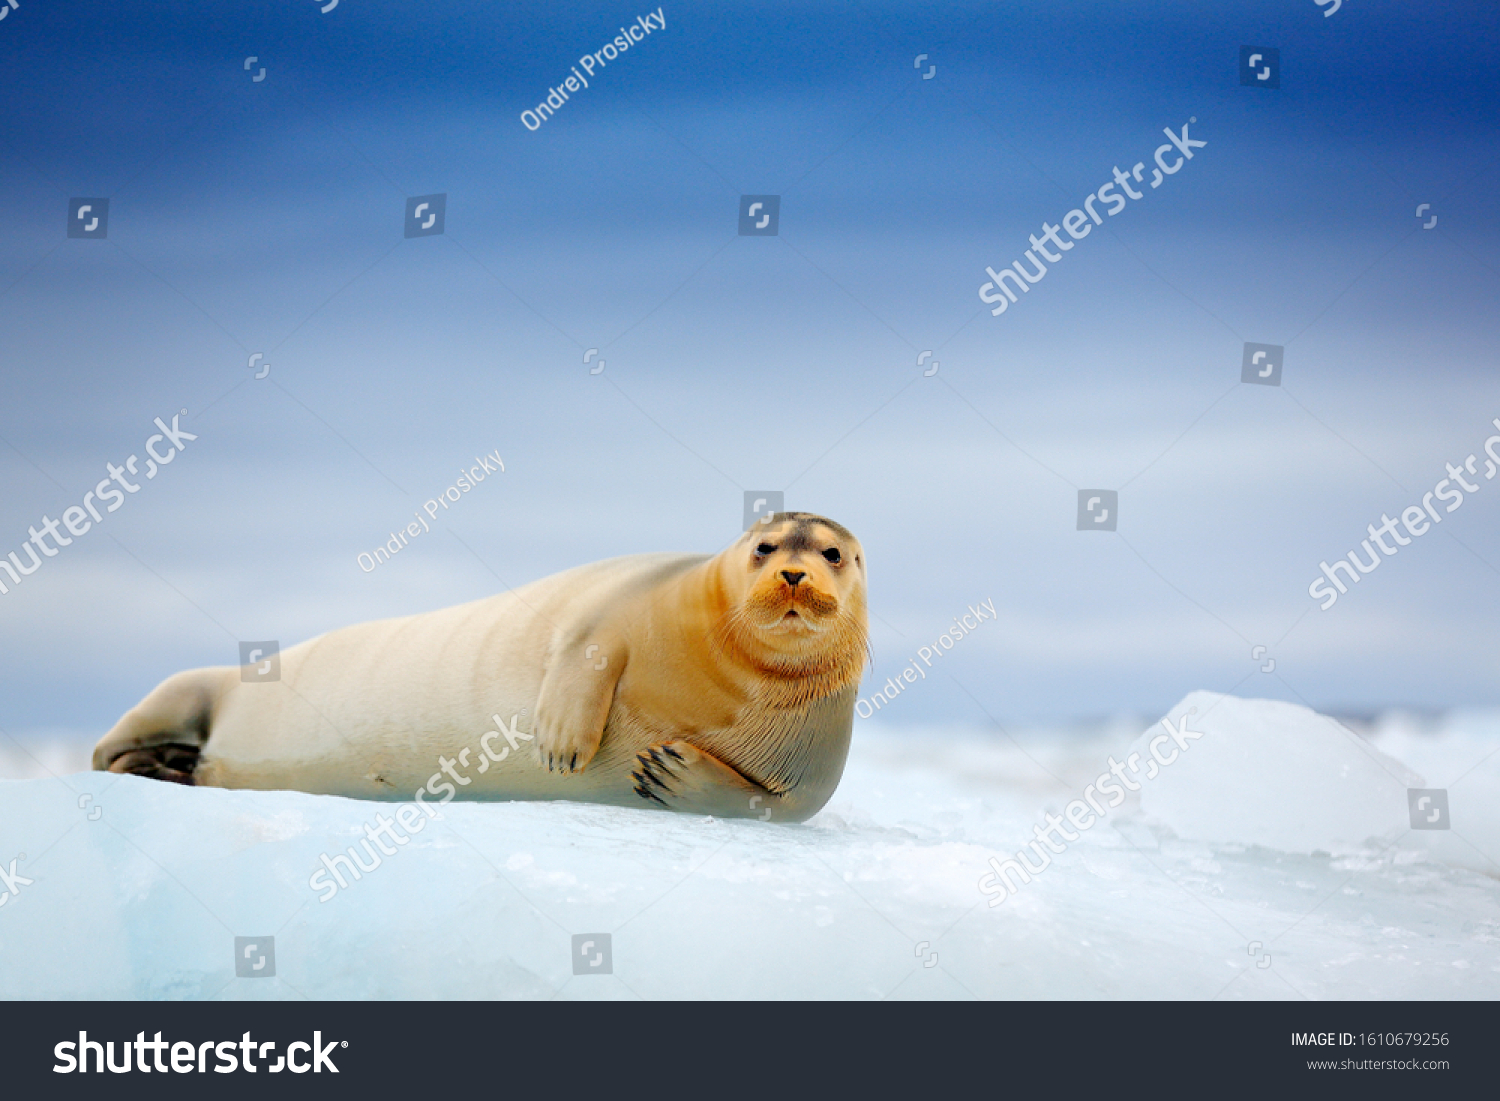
{"x": 1273, "y": 858}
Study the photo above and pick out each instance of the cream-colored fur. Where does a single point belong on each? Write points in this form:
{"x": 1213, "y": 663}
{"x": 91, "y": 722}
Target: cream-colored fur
{"x": 665, "y": 679}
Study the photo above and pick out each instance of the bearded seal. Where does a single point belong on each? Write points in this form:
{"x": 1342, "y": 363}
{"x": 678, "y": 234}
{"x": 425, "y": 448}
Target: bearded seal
{"x": 720, "y": 685}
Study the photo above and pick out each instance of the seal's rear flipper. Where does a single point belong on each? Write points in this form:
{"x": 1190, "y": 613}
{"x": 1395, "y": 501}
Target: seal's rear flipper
{"x": 174, "y": 763}
{"x": 163, "y": 735}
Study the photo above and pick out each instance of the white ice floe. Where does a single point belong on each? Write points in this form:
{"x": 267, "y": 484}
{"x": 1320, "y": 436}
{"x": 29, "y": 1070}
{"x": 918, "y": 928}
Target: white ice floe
{"x": 1272, "y": 858}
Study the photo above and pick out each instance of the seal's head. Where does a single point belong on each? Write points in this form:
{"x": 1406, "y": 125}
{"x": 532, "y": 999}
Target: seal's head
{"x": 797, "y": 594}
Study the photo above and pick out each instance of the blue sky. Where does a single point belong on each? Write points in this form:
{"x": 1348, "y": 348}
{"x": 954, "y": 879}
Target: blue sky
{"x": 266, "y": 217}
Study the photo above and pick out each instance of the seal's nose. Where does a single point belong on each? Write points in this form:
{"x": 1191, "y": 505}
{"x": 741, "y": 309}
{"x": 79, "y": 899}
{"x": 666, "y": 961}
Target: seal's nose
{"x": 793, "y": 576}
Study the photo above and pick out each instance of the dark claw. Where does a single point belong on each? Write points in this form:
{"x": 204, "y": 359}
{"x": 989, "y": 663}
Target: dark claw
{"x": 647, "y": 778}
{"x": 573, "y": 764}
{"x": 669, "y": 750}
{"x": 644, "y": 794}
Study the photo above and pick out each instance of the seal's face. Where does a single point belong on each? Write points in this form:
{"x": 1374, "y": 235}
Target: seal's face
{"x": 804, "y": 583}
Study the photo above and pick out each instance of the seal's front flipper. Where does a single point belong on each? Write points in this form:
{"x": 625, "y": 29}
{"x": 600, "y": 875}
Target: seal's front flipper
{"x": 680, "y": 776}
{"x": 573, "y": 704}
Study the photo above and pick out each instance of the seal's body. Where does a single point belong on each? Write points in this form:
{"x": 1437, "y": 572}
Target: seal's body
{"x": 719, "y": 685}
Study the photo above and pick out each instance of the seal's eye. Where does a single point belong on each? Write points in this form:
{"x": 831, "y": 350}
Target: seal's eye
{"x": 765, "y": 548}
{"x": 832, "y": 554}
